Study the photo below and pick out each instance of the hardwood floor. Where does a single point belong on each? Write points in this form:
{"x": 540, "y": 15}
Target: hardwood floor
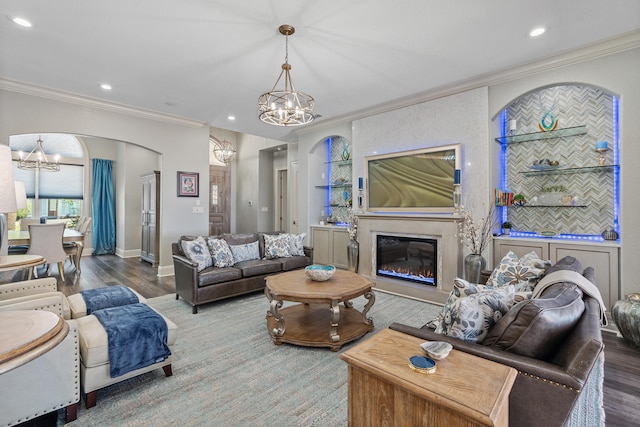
{"x": 621, "y": 382}
{"x": 99, "y": 271}
{"x": 622, "y": 362}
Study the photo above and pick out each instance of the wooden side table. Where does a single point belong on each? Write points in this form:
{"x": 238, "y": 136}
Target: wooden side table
{"x": 465, "y": 390}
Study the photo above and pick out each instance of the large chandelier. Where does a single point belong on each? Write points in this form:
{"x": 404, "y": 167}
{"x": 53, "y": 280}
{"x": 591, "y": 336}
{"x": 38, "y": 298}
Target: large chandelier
{"x": 37, "y": 160}
{"x": 223, "y": 150}
{"x": 286, "y": 107}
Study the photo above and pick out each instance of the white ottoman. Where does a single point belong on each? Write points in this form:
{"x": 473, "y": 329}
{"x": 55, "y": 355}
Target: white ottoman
{"x": 79, "y": 308}
{"x": 94, "y": 357}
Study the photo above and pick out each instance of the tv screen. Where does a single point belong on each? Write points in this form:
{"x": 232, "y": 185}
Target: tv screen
{"x": 419, "y": 180}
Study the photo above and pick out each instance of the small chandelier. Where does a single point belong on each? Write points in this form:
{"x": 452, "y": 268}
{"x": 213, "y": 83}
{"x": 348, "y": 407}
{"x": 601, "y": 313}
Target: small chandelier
{"x": 223, "y": 150}
{"x": 37, "y": 160}
{"x": 286, "y": 107}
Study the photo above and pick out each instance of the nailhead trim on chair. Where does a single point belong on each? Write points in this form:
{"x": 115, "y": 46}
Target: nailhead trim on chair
{"x": 57, "y": 307}
{"x": 5, "y": 292}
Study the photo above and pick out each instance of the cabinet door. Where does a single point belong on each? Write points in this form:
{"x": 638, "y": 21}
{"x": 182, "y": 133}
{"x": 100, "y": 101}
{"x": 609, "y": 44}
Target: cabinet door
{"x": 501, "y": 247}
{"x": 604, "y": 261}
{"x": 320, "y": 240}
{"x": 340, "y": 242}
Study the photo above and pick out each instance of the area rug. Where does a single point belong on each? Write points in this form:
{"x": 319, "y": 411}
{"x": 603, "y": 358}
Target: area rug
{"x": 227, "y": 371}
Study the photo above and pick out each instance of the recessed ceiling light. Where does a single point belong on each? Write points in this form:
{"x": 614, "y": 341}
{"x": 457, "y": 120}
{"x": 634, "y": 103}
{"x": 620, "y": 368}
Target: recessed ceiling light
{"x": 231, "y": 118}
{"x": 537, "y": 32}
{"x": 105, "y": 86}
{"x": 22, "y": 22}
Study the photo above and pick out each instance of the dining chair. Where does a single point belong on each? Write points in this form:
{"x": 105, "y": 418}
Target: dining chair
{"x": 74, "y": 249}
{"x": 24, "y": 225}
{"x": 46, "y": 240}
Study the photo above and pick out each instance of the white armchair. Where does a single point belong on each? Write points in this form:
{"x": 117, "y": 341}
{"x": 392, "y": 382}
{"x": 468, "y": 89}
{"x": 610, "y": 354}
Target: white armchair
{"x": 21, "y": 296}
{"x": 50, "y": 381}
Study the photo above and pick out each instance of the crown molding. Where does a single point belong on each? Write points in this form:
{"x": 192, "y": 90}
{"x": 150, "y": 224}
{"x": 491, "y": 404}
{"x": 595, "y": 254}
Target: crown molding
{"x": 589, "y": 52}
{"x": 72, "y": 98}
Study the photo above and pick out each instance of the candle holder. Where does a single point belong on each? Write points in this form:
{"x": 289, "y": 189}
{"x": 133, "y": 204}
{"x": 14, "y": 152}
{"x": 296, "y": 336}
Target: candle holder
{"x": 457, "y": 198}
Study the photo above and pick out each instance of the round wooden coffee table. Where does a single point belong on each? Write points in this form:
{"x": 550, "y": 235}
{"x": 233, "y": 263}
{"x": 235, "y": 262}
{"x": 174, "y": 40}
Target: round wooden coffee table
{"x": 312, "y": 323}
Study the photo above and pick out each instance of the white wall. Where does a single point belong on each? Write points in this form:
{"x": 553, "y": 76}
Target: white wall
{"x": 254, "y": 183}
{"x": 130, "y": 162}
{"x": 455, "y": 119}
{"x": 184, "y": 145}
{"x": 617, "y": 74}
{"x": 133, "y": 162}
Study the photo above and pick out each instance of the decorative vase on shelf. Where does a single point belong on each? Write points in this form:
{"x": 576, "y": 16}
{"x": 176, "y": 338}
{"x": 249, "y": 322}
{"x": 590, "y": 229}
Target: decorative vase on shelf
{"x": 626, "y": 315}
{"x": 353, "y": 252}
{"x": 473, "y": 266}
{"x": 345, "y": 153}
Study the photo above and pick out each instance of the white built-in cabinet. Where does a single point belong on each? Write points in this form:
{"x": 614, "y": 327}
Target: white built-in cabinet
{"x": 150, "y": 217}
{"x": 330, "y": 245}
{"x": 602, "y": 256}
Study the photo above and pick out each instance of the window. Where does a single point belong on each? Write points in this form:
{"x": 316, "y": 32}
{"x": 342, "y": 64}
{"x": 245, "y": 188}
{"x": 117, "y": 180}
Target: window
{"x": 52, "y": 194}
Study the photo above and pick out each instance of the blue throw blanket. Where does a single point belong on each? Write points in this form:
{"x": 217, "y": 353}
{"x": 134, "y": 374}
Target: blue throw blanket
{"x": 137, "y": 337}
{"x": 111, "y": 296}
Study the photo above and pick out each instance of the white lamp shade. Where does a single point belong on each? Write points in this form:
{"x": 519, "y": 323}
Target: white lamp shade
{"x": 21, "y": 195}
{"x": 7, "y": 187}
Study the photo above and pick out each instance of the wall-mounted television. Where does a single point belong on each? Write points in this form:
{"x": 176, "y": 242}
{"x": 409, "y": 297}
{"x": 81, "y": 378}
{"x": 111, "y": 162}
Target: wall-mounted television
{"x": 412, "y": 181}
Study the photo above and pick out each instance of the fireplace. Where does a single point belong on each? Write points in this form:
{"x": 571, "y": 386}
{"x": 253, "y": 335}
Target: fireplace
{"x": 407, "y": 258}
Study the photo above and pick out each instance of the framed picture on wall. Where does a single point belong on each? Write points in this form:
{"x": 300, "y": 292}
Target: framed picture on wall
{"x": 188, "y": 184}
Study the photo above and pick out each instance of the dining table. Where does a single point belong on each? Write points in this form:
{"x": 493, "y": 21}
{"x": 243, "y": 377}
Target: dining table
{"x": 22, "y": 237}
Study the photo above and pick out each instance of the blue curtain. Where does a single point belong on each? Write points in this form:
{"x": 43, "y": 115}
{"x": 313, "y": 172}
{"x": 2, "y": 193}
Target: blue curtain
{"x": 104, "y": 208}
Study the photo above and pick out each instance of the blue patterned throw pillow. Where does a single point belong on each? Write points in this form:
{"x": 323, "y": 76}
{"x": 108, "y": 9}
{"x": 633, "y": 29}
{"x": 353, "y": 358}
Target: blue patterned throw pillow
{"x": 197, "y": 251}
{"x": 471, "y": 318}
{"x": 461, "y": 289}
{"x": 245, "y": 252}
{"x": 277, "y": 246}
{"x": 524, "y": 273}
{"x": 222, "y": 256}
{"x": 297, "y": 247}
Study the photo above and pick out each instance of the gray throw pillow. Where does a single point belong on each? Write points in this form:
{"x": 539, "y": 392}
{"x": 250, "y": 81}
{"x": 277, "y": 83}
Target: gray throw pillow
{"x": 536, "y": 326}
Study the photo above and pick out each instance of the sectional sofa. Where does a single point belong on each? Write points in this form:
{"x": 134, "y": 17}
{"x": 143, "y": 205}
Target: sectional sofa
{"x": 553, "y": 340}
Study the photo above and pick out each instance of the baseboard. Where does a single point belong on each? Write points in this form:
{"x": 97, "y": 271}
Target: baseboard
{"x": 87, "y": 251}
{"x": 130, "y": 253}
{"x": 165, "y": 270}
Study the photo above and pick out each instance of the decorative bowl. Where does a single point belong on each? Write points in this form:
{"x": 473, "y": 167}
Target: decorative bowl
{"x": 436, "y": 349}
{"x": 320, "y": 273}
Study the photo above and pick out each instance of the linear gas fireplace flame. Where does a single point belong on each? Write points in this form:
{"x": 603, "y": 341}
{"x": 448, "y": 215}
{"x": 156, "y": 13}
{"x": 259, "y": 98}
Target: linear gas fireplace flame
{"x": 407, "y": 258}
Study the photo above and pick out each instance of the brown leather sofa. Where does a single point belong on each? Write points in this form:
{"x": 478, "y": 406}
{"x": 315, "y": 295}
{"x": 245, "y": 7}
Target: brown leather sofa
{"x": 213, "y": 283}
{"x": 545, "y": 390}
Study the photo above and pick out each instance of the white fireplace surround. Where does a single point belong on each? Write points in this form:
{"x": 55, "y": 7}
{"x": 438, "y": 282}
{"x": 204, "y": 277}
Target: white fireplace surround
{"x": 441, "y": 227}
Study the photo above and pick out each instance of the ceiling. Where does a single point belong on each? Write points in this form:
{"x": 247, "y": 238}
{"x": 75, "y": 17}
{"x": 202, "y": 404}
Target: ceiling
{"x": 208, "y": 59}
